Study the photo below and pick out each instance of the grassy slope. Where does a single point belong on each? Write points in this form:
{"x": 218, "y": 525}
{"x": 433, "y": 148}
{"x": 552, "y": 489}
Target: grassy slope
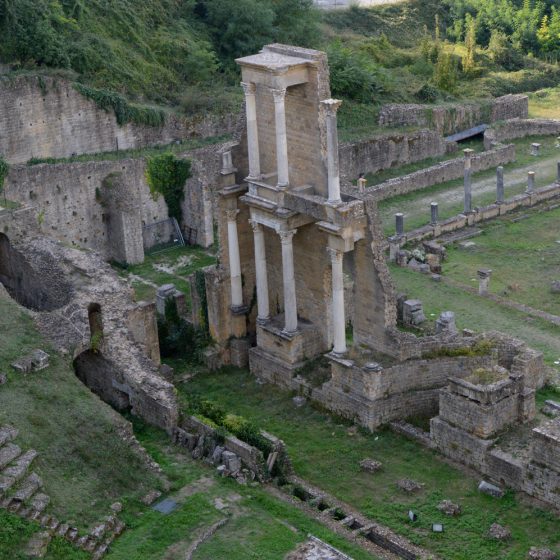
{"x": 323, "y": 452}
{"x": 85, "y": 466}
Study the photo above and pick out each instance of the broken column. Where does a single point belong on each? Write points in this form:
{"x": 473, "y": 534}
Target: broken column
{"x": 530, "y": 182}
{"x": 535, "y": 149}
{"x": 290, "y": 301}
{"x": 468, "y": 180}
{"x": 500, "y": 185}
{"x": 331, "y": 106}
{"x": 252, "y": 130}
{"x": 263, "y": 305}
{"x": 279, "y": 96}
{"x": 362, "y": 181}
{"x": 338, "y": 316}
{"x": 234, "y": 261}
{"x": 227, "y": 163}
{"x": 413, "y": 312}
{"x": 483, "y": 280}
{"x": 164, "y": 293}
{"x": 434, "y": 212}
{"x": 399, "y": 224}
{"x": 445, "y": 323}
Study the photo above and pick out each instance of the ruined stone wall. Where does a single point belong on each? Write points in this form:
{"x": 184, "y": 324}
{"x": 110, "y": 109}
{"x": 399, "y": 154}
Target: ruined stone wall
{"x": 47, "y": 118}
{"x": 452, "y": 118}
{"x": 389, "y": 150}
{"x": 516, "y": 128}
{"x": 440, "y": 173}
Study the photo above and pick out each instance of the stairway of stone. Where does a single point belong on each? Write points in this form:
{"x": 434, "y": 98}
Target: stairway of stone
{"x": 20, "y": 493}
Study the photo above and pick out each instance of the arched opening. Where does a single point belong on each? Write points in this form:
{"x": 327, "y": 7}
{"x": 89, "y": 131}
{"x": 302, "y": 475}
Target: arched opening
{"x": 40, "y": 290}
{"x": 98, "y": 374}
{"x": 95, "y": 326}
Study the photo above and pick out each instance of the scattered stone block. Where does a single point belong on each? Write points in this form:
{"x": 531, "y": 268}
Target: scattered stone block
{"x": 490, "y": 489}
{"x": 499, "y": 532}
{"x": 541, "y": 554}
{"x": 221, "y": 470}
{"x": 551, "y": 408}
{"x": 232, "y": 462}
{"x": 217, "y": 455}
{"x": 445, "y": 323}
{"x": 3, "y": 379}
{"x": 8, "y": 453}
{"x": 409, "y": 486}
{"x": 38, "y": 545}
{"x": 436, "y": 277}
{"x": 447, "y": 507}
{"x": 413, "y": 312}
{"x": 166, "y": 506}
{"x": 299, "y": 401}
{"x": 555, "y": 287}
{"x": 151, "y": 497}
{"x": 370, "y": 465}
{"x": 39, "y": 359}
{"x": 23, "y": 365}
{"x": 467, "y": 244}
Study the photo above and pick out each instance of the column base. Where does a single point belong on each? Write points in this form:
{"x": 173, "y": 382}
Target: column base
{"x": 239, "y": 309}
{"x": 263, "y": 320}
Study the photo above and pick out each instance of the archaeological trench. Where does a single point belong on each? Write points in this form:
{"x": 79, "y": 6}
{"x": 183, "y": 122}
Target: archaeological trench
{"x": 302, "y": 255}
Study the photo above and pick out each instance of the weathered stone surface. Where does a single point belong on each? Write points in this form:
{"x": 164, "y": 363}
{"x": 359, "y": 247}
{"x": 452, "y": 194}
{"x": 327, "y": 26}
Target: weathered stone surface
{"x": 449, "y": 508}
{"x": 151, "y": 497}
{"x": 117, "y": 507}
{"x": 8, "y": 453}
{"x": 499, "y": 532}
{"x": 490, "y": 489}
{"x": 3, "y": 379}
{"x": 555, "y": 287}
{"x": 38, "y": 545}
{"x": 541, "y": 554}
{"x": 217, "y": 455}
{"x": 409, "y": 486}
{"x": 445, "y": 323}
{"x": 370, "y": 465}
{"x": 551, "y": 408}
{"x": 232, "y": 462}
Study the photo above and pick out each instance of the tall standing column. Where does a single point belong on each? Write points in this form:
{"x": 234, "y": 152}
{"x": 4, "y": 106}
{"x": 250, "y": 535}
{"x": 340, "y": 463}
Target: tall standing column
{"x": 234, "y": 261}
{"x": 252, "y": 130}
{"x": 290, "y": 302}
{"x": 331, "y": 106}
{"x": 261, "y": 273}
{"x": 468, "y": 180}
{"x": 500, "y": 185}
{"x": 339, "y": 320}
{"x": 281, "y": 137}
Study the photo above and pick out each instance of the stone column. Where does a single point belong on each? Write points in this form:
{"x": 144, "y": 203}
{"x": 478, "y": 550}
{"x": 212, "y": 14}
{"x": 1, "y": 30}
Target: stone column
{"x": 399, "y": 224}
{"x": 281, "y": 137}
{"x": 530, "y": 182}
{"x": 261, "y": 273}
{"x": 290, "y": 302}
{"x": 252, "y": 130}
{"x": 500, "y": 185}
{"x": 535, "y": 149}
{"x": 468, "y": 180}
{"x": 234, "y": 261}
{"x": 434, "y": 211}
{"x": 227, "y": 163}
{"x": 331, "y": 106}
{"x": 483, "y": 280}
{"x": 339, "y": 320}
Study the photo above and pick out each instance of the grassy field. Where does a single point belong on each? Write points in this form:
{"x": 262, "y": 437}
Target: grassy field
{"x": 172, "y": 266}
{"x": 449, "y": 195}
{"x": 545, "y": 104}
{"x": 326, "y": 453}
{"x": 84, "y": 464}
{"x": 524, "y": 257}
{"x": 258, "y": 525}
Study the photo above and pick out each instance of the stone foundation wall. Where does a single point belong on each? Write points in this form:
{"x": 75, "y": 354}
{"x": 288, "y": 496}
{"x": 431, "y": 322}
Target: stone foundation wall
{"x": 440, "y": 173}
{"x": 47, "y": 118}
{"x": 389, "y": 150}
{"x": 452, "y": 118}
{"x": 520, "y": 128}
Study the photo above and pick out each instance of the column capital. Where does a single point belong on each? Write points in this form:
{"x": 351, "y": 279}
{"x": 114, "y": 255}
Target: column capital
{"x": 336, "y": 255}
{"x": 249, "y": 88}
{"x": 232, "y": 215}
{"x": 278, "y": 94}
{"x": 331, "y": 106}
{"x": 257, "y": 227}
{"x": 286, "y": 236}
{"x": 468, "y": 153}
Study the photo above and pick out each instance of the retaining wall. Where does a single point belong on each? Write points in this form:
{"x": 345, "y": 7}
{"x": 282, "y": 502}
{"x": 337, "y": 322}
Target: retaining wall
{"x": 520, "y": 128}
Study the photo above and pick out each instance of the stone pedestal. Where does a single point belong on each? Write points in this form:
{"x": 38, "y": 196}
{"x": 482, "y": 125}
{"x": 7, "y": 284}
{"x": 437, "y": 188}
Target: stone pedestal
{"x": 500, "y": 185}
{"x": 468, "y": 181}
{"x": 483, "y": 280}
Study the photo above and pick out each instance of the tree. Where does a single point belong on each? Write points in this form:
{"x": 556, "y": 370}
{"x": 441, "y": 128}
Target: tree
{"x": 446, "y": 73}
{"x": 470, "y": 44}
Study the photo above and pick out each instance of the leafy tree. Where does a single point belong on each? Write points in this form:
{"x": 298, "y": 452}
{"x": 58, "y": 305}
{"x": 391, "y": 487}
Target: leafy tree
{"x": 470, "y": 44}
{"x": 446, "y": 72}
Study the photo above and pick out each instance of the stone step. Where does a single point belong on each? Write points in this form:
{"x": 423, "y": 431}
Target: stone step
{"x": 27, "y": 488}
{"x": 16, "y": 471}
{"x": 38, "y": 545}
{"x": 8, "y": 453}
{"x": 100, "y": 551}
{"x": 7, "y": 434}
{"x": 38, "y": 505}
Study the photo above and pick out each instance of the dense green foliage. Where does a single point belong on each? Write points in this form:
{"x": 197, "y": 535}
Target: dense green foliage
{"x": 4, "y": 168}
{"x": 166, "y": 175}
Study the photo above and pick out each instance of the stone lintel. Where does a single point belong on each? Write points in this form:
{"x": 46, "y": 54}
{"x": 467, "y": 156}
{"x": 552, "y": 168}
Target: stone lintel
{"x": 232, "y": 191}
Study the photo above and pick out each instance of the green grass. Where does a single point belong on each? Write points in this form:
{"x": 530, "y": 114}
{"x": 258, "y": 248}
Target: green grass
{"x": 545, "y": 104}
{"x": 524, "y": 257}
{"x": 84, "y": 464}
{"x": 184, "y": 261}
{"x": 448, "y": 195}
{"x": 259, "y": 526}
{"x": 323, "y": 452}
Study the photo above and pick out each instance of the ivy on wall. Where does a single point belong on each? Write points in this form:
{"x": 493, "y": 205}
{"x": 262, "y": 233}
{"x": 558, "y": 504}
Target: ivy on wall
{"x": 166, "y": 175}
{"x": 125, "y": 112}
{"x": 4, "y": 168}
